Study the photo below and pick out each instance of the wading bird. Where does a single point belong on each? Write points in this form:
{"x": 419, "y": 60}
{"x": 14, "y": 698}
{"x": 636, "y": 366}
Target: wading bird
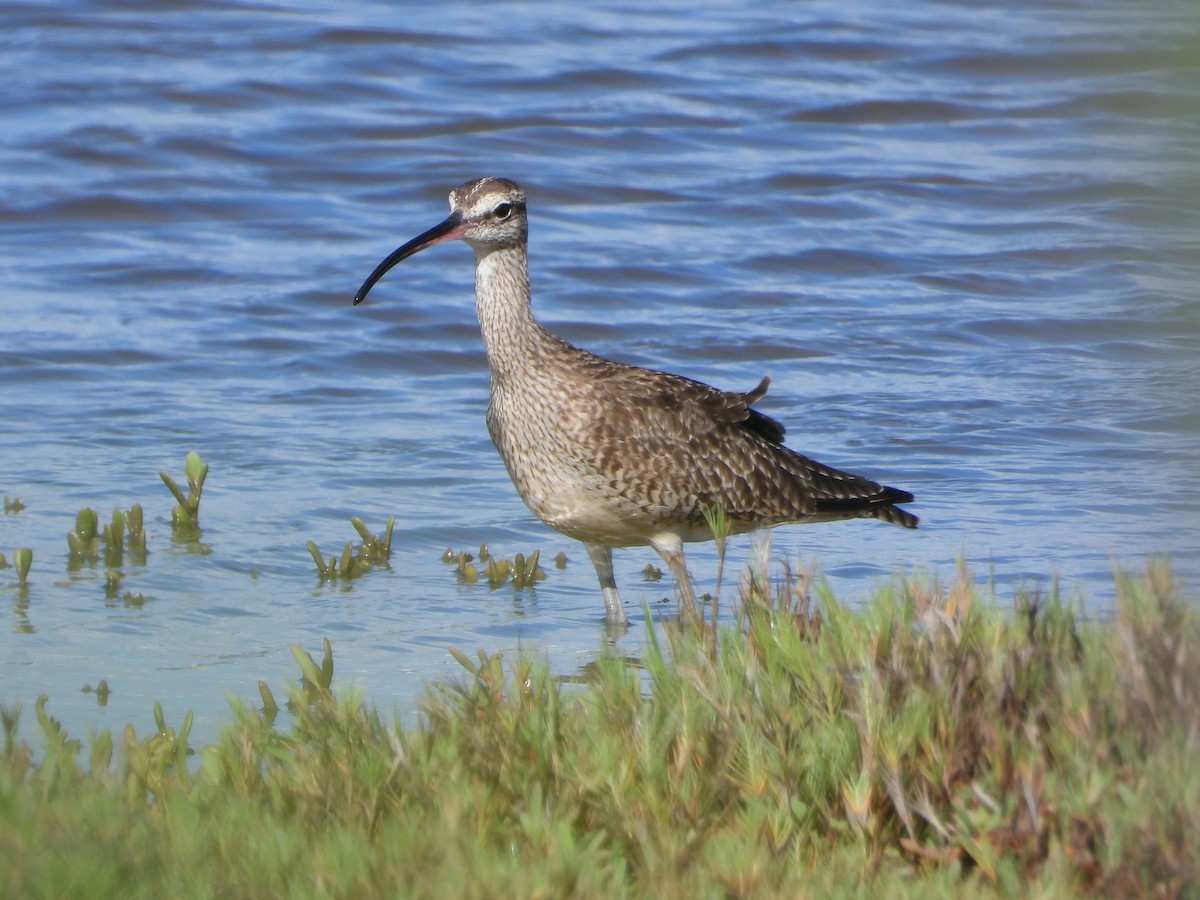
{"x": 616, "y": 455}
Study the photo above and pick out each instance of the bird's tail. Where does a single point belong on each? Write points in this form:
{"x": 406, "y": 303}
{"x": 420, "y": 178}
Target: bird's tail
{"x": 881, "y": 504}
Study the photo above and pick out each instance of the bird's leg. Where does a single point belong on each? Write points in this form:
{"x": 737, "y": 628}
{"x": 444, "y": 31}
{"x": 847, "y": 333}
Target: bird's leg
{"x": 601, "y": 557}
{"x": 670, "y": 548}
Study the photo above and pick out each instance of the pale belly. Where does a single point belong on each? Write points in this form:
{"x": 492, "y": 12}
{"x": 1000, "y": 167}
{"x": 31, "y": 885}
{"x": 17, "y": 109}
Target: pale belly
{"x": 563, "y": 487}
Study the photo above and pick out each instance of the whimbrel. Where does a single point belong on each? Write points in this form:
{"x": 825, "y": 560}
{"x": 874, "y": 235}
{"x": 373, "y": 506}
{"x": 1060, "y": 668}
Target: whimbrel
{"x": 616, "y": 455}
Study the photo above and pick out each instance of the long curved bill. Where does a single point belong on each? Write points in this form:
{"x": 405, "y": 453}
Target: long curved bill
{"x": 450, "y": 230}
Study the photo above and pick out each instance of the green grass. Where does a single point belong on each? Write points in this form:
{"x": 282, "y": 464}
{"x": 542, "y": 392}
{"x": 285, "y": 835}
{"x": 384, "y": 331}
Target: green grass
{"x": 929, "y": 745}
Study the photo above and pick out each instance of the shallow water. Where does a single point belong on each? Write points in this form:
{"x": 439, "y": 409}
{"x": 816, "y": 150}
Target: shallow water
{"x": 962, "y": 242}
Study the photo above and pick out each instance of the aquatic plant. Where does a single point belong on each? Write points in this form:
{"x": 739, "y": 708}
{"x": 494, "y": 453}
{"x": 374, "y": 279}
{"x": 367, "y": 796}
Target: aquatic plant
{"x": 464, "y": 566}
{"x": 12, "y": 505}
{"x": 373, "y": 551}
{"x": 523, "y": 572}
{"x": 101, "y": 690}
{"x": 124, "y": 530}
{"x": 83, "y": 543}
{"x": 185, "y": 517}
{"x": 22, "y": 561}
{"x": 135, "y": 540}
{"x": 113, "y": 536}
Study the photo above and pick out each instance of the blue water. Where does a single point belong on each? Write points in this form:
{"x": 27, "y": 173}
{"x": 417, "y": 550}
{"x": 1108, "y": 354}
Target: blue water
{"x": 962, "y": 241}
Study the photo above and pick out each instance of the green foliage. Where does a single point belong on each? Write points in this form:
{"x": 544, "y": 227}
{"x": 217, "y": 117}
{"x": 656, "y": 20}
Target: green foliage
{"x": 83, "y": 543}
{"x": 124, "y": 532}
{"x": 22, "y": 561}
{"x": 373, "y": 551}
{"x": 185, "y": 517}
{"x": 929, "y": 744}
{"x": 718, "y": 524}
{"x": 101, "y": 690}
{"x": 652, "y": 573}
{"x": 521, "y": 571}
{"x": 12, "y": 505}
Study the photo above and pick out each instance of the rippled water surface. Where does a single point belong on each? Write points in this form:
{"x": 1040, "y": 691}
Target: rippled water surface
{"x": 962, "y": 242}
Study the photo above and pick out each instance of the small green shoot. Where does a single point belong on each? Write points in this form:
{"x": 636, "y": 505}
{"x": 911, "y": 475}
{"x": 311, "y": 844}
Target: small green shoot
{"x": 497, "y": 572}
{"x": 185, "y": 517}
{"x": 12, "y": 505}
{"x": 523, "y": 572}
{"x": 526, "y": 572}
{"x": 376, "y": 550}
{"x": 101, "y": 690}
{"x": 22, "y": 560}
{"x": 84, "y": 541}
{"x": 463, "y": 562}
{"x": 315, "y": 681}
{"x": 373, "y": 551}
{"x": 114, "y": 540}
{"x": 270, "y": 708}
{"x": 58, "y": 743}
{"x": 135, "y": 540}
{"x": 158, "y": 763}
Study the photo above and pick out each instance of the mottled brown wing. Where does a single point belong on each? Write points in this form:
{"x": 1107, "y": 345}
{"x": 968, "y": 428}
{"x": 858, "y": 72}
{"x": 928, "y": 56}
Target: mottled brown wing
{"x": 683, "y": 445}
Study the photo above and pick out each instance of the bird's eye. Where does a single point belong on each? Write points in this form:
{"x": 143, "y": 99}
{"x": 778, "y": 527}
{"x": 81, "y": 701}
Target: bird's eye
{"x": 503, "y": 211}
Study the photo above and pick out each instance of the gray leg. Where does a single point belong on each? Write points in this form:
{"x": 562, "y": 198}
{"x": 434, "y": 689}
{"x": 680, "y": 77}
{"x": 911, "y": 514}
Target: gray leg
{"x": 602, "y": 559}
{"x": 670, "y": 548}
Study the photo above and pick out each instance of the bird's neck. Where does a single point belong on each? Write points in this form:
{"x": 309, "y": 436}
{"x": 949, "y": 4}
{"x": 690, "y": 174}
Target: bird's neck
{"x": 513, "y": 339}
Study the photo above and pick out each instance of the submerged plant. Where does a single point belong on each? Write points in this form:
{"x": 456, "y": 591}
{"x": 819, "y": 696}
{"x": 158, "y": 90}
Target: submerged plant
{"x": 497, "y": 572}
{"x": 373, "y": 551}
{"x": 464, "y": 566}
{"x": 84, "y": 542}
{"x": 124, "y": 531}
{"x": 523, "y": 572}
{"x": 114, "y": 539}
{"x": 335, "y": 567}
{"x": 135, "y": 540}
{"x": 22, "y": 560}
{"x": 101, "y": 690}
{"x": 185, "y": 517}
